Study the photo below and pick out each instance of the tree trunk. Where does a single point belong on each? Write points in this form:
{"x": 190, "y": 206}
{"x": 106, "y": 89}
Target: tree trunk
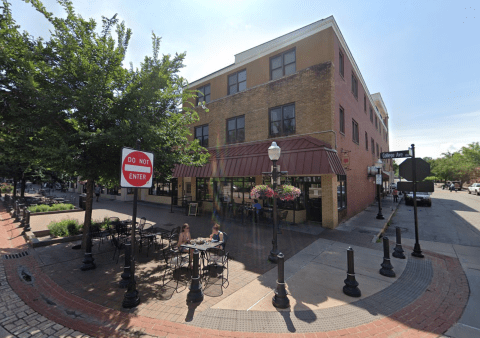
{"x": 22, "y": 188}
{"x": 14, "y": 194}
{"x": 88, "y": 212}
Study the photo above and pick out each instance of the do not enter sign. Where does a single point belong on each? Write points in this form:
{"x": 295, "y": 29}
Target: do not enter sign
{"x": 137, "y": 169}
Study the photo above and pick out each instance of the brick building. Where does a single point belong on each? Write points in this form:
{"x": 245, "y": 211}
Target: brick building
{"x": 304, "y": 91}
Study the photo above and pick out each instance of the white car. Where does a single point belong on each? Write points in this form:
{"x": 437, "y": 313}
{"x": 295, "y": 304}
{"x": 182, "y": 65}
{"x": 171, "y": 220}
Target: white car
{"x": 474, "y": 189}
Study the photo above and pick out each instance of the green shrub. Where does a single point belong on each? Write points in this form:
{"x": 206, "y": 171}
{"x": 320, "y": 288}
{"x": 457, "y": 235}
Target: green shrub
{"x": 5, "y": 188}
{"x": 46, "y": 208}
{"x": 65, "y": 228}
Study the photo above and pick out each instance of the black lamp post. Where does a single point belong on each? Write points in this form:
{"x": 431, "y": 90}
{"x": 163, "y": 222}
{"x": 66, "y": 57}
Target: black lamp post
{"x": 379, "y": 166}
{"x": 274, "y": 154}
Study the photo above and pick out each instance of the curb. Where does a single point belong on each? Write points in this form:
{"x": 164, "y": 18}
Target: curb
{"x": 380, "y": 233}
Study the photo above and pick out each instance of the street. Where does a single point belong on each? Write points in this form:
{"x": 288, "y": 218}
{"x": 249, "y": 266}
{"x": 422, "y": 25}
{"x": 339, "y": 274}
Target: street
{"x": 453, "y": 218}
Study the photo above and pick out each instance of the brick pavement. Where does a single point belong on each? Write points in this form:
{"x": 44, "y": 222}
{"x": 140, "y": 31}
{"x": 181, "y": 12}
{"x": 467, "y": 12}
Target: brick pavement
{"x": 428, "y": 315}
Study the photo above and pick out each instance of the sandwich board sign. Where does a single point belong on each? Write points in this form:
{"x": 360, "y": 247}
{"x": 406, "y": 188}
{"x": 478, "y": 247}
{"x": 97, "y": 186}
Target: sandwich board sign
{"x": 137, "y": 169}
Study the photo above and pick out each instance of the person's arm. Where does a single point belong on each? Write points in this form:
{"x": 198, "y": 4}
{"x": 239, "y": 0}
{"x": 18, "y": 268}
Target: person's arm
{"x": 221, "y": 236}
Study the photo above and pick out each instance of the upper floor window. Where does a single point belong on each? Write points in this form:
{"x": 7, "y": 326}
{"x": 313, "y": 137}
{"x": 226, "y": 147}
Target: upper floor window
{"x": 201, "y": 134}
{"x": 341, "y": 63}
{"x": 371, "y": 114}
{"x": 204, "y": 94}
{"x": 365, "y": 103}
{"x": 237, "y": 82}
{"x": 373, "y": 146}
{"x": 354, "y": 85}
{"x": 283, "y": 64}
{"x": 342, "y": 120}
{"x": 377, "y": 150}
{"x": 366, "y": 140}
{"x": 376, "y": 122}
{"x": 355, "y": 136}
{"x": 380, "y": 130}
{"x": 236, "y": 129}
{"x": 282, "y": 120}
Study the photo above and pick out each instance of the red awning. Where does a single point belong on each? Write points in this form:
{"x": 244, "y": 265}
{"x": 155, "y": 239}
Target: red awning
{"x": 300, "y": 156}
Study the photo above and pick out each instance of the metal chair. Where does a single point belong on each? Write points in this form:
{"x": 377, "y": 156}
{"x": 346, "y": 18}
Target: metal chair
{"x": 145, "y": 235}
{"x": 119, "y": 246}
{"x": 175, "y": 260}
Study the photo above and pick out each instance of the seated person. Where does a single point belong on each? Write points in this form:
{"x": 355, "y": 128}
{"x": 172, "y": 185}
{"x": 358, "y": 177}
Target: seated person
{"x": 216, "y": 235}
{"x": 257, "y": 206}
{"x": 184, "y": 238}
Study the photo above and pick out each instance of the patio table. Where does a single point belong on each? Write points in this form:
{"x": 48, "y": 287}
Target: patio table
{"x": 202, "y": 248}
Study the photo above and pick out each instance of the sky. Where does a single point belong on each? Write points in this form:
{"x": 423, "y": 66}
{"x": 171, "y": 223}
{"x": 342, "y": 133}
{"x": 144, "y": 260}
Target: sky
{"x": 422, "y": 56}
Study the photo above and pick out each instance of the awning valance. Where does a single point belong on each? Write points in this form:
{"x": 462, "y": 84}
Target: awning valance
{"x": 300, "y": 156}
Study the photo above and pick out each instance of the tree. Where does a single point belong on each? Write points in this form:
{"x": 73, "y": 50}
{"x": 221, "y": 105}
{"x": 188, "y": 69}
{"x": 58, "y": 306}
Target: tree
{"x": 102, "y": 107}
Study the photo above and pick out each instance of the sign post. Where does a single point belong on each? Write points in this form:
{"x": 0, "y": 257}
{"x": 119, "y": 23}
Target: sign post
{"x": 137, "y": 172}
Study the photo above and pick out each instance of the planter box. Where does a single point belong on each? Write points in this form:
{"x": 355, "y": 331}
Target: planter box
{"x": 55, "y": 212}
{"x": 44, "y": 241}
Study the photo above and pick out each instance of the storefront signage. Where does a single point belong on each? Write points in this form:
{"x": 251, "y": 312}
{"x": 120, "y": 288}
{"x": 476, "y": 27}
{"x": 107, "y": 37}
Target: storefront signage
{"x": 395, "y": 154}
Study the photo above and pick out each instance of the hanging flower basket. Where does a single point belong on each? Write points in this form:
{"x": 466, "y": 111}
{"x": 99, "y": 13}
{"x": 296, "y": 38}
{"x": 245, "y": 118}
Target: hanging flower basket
{"x": 262, "y": 191}
{"x": 287, "y": 192}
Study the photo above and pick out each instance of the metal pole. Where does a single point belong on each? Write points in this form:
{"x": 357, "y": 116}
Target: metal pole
{"x": 351, "y": 285}
{"x": 195, "y": 295}
{"x": 274, "y": 252}
{"x": 398, "y": 251}
{"x": 280, "y": 298}
{"x": 379, "y": 215}
{"x": 131, "y": 298}
{"x": 417, "y": 251}
{"x": 387, "y": 268}
{"x": 126, "y": 267}
{"x": 171, "y": 202}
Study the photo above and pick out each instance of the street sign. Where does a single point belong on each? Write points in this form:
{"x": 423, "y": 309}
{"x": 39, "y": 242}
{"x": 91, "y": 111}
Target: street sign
{"x": 378, "y": 179}
{"x": 424, "y": 186}
{"x": 137, "y": 169}
{"x": 422, "y": 168}
{"x": 395, "y": 154}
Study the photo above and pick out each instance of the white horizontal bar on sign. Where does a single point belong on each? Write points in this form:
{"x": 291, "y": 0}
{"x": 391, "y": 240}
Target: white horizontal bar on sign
{"x": 137, "y": 168}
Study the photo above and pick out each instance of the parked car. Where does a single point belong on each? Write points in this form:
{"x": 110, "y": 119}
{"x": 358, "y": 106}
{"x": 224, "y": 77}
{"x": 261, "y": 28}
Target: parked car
{"x": 393, "y": 186}
{"x": 474, "y": 189}
{"x": 423, "y": 198}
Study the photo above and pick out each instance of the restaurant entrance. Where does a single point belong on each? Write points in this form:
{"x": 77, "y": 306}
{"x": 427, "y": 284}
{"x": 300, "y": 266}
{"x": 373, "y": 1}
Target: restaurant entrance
{"x": 313, "y": 199}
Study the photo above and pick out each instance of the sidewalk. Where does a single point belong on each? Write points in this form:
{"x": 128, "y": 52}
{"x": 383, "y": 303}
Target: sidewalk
{"x": 425, "y": 299}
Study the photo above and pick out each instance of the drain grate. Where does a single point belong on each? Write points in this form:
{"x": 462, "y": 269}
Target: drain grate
{"x": 17, "y": 255}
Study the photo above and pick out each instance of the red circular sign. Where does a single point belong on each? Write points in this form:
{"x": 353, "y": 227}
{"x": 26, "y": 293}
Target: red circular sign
{"x": 137, "y": 168}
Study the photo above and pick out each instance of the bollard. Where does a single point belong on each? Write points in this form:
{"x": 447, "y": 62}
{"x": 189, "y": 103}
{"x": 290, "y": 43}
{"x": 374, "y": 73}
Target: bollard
{"x": 398, "y": 251}
{"x": 26, "y": 219}
{"x": 126, "y": 267}
{"x": 280, "y": 299}
{"x": 387, "y": 268}
{"x": 195, "y": 295}
{"x": 351, "y": 285}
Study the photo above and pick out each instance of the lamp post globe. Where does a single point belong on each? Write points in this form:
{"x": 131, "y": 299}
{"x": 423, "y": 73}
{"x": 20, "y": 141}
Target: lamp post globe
{"x": 379, "y": 166}
{"x": 274, "y": 154}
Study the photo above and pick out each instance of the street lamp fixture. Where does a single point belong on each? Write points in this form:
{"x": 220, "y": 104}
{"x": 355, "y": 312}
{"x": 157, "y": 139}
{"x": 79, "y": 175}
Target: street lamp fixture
{"x": 379, "y": 166}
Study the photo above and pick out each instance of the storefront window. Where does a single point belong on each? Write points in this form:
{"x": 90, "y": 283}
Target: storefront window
{"x": 298, "y": 182}
{"x": 203, "y": 189}
{"x": 160, "y": 189}
{"x": 341, "y": 191}
{"x": 235, "y": 189}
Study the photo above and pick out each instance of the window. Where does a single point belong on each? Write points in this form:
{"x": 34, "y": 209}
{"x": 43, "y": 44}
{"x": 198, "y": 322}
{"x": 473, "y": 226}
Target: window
{"x": 237, "y": 82}
{"x": 201, "y": 134}
{"x": 376, "y": 122}
{"x": 341, "y": 192}
{"x": 355, "y": 137}
{"x": 377, "y": 150}
{"x": 189, "y": 187}
{"x": 354, "y": 85}
{"x": 341, "y": 63}
{"x": 204, "y": 94}
{"x": 342, "y": 120}
{"x": 236, "y": 129}
{"x": 283, "y": 64}
{"x": 371, "y": 114}
{"x": 160, "y": 189}
{"x": 365, "y": 103}
{"x": 204, "y": 189}
{"x": 380, "y": 130}
{"x": 282, "y": 120}
{"x": 366, "y": 140}
{"x": 373, "y": 146}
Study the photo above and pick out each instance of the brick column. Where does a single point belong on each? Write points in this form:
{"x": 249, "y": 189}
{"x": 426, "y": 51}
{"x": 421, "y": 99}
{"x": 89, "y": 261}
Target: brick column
{"x": 258, "y": 179}
{"x": 329, "y": 201}
{"x": 194, "y": 188}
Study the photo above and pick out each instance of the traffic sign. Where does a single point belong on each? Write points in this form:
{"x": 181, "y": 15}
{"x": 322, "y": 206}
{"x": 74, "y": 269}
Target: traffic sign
{"x": 422, "y": 169}
{"x": 137, "y": 169}
{"x": 424, "y": 186}
{"x": 395, "y": 154}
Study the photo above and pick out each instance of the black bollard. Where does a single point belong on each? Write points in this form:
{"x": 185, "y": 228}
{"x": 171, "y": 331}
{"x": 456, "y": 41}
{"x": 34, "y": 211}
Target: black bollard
{"x": 195, "y": 295}
{"x": 351, "y": 285}
{"x": 398, "y": 251}
{"x": 387, "y": 268}
{"x": 280, "y": 298}
{"x": 26, "y": 219}
{"x": 88, "y": 260}
{"x": 126, "y": 267}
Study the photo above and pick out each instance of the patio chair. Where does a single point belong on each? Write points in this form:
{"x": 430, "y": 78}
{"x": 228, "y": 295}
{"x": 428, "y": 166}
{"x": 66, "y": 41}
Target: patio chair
{"x": 172, "y": 239}
{"x": 282, "y": 217}
{"x": 219, "y": 259}
{"x": 145, "y": 235}
{"x": 119, "y": 246}
{"x": 215, "y": 254}
{"x": 174, "y": 260}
